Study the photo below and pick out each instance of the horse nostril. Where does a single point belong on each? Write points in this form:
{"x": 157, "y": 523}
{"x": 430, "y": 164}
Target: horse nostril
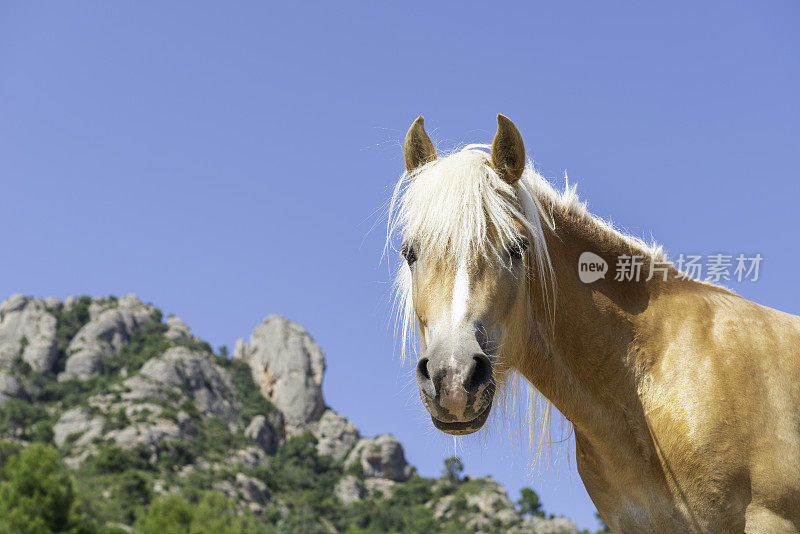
{"x": 424, "y": 381}
{"x": 422, "y": 369}
{"x": 481, "y": 372}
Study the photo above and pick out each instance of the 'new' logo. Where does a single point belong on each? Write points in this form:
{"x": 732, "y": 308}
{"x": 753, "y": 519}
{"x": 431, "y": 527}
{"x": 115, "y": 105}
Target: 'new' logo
{"x": 591, "y": 267}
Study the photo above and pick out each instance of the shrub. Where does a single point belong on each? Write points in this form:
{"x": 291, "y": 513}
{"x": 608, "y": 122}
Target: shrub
{"x": 26, "y": 420}
{"x": 174, "y": 514}
{"x": 133, "y": 492}
{"x": 529, "y": 503}
{"x": 116, "y": 420}
{"x": 146, "y": 343}
{"x": 72, "y": 392}
{"x": 453, "y": 467}
{"x": 175, "y": 454}
{"x": 37, "y": 494}
{"x": 7, "y": 450}
{"x": 114, "y": 459}
{"x": 171, "y": 514}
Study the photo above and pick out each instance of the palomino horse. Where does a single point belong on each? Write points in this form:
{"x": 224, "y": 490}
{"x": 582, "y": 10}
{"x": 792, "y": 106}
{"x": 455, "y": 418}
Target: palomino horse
{"x": 684, "y": 397}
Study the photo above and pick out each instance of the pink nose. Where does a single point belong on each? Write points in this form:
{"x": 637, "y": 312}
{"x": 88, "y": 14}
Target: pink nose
{"x": 452, "y": 393}
{"x": 452, "y": 389}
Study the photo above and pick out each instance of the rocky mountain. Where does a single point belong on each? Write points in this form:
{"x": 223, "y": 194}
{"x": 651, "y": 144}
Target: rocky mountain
{"x": 150, "y": 421}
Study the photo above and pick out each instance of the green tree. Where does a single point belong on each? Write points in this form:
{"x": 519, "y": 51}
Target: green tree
{"x": 7, "y": 450}
{"x": 174, "y": 514}
{"x": 133, "y": 493}
{"x": 26, "y": 420}
{"x": 114, "y": 459}
{"x": 171, "y": 514}
{"x": 37, "y": 495}
{"x": 529, "y": 503}
{"x": 217, "y": 513}
{"x": 453, "y": 467}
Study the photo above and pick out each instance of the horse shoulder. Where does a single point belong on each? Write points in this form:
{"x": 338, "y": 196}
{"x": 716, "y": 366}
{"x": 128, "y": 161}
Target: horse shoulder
{"x": 722, "y": 400}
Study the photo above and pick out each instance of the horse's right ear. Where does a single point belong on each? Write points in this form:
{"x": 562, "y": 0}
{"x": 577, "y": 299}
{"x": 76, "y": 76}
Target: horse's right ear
{"x": 417, "y": 148}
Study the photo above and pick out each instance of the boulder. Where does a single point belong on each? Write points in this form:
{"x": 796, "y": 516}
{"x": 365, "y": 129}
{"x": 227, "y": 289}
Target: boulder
{"x": 182, "y": 372}
{"x": 379, "y": 488}
{"x": 77, "y": 424}
{"x": 380, "y": 457}
{"x": 28, "y": 331}
{"x": 10, "y": 388}
{"x": 252, "y": 457}
{"x": 349, "y": 489}
{"x": 111, "y": 325}
{"x": 227, "y": 488}
{"x": 252, "y": 489}
{"x": 70, "y": 302}
{"x": 335, "y": 435}
{"x": 265, "y": 433}
{"x": 245, "y": 487}
{"x": 488, "y": 508}
{"x": 492, "y": 501}
{"x": 178, "y": 331}
{"x": 152, "y": 434}
{"x": 287, "y": 365}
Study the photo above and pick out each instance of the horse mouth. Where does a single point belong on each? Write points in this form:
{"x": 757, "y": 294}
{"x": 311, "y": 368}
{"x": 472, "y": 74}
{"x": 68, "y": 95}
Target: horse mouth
{"x": 462, "y": 428}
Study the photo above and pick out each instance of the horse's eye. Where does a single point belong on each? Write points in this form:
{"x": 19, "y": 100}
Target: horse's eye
{"x": 516, "y": 248}
{"x": 408, "y": 253}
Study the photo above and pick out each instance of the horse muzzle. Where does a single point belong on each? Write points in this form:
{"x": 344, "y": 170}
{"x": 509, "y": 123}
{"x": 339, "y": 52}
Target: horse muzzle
{"x": 456, "y": 390}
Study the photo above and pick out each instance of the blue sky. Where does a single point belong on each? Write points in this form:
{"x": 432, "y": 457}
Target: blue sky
{"x": 226, "y": 160}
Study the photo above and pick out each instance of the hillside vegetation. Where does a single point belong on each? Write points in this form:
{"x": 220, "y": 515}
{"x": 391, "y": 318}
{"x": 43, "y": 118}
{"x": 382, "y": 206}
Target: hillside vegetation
{"x": 113, "y": 419}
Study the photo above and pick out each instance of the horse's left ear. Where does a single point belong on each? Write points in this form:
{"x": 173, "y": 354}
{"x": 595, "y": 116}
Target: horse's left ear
{"x": 508, "y": 150}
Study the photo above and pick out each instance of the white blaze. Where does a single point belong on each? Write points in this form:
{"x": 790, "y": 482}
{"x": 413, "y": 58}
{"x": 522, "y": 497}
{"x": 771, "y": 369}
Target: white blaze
{"x": 460, "y": 295}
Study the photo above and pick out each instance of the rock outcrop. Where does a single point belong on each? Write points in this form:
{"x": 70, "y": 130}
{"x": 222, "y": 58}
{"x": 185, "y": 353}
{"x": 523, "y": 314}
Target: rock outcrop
{"x": 111, "y": 326}
{"x": 154, "y": 435}
{"x": 77, "y": 425}
{"x": 245, "y": 488}
{"x": 380, "y": 457}
{"x": 265, "y": 430}
{"x": 349, "y": 489}
{"x": 335, "y": 435}
{"x": 489, "y": 498}
{"x": 180, "y": 377}
{"x": 183, "y": 373}
{"x": 11, "y": 388}
{"x": 27, "y": 332}
{"x": 177, "y": 330}
{"x": 288, "y": 367}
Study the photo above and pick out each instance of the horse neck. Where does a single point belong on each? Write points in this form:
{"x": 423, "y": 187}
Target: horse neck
{"x": 582, "y": 353}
